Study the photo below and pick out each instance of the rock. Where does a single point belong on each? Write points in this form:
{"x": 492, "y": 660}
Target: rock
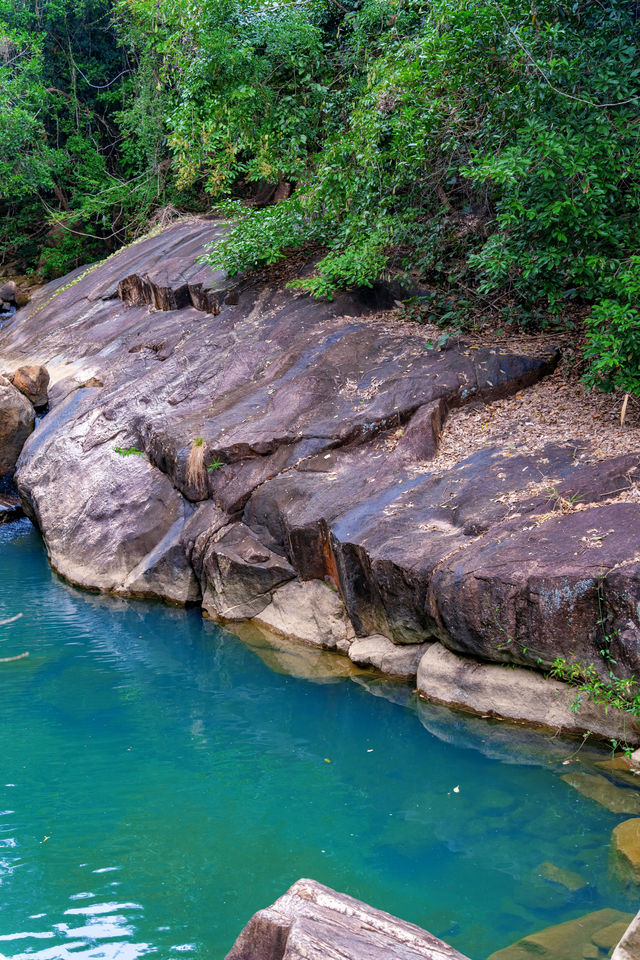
{"x": 390, "y": 658}
{"x": 239, "y": 574}
{"x": 312, "y": 425}
{"x": 604, "y": 792}
{"x": 629, "y": 946}
{"x": 310, "y": 612}
{"x": 295, "y": 659}
{"x": 9, "y": 292}
{"x": 17, "y": 418}
{"x": 620, "y": 769}
{"x": 625, "y": 851}
{"x": 634, "y": 761}
{"x": 567, "y": 878}
{"x": 313, "y": 921}
{"x": 566, "y": 941}
{"x": 33, "y": 381}
{"x": 512, "y": 693}
{"x": 609, "y": 936}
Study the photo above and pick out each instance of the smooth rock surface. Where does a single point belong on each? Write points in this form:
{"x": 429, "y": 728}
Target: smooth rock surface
{"x": 572, "y": 940}
{"x": 397, "y": 660}
{"x": 512, "y": 693}
{"x": 310, "y": 612}
{"x": 629, "y": 946}
{"x": 33, "y": 381}
{"x": 313, "y": 425}
{"x": 17, "y": 418}
{"x": 598, "y": 788}
{"x": 313, "y": 922}
{"x": 625, "y": 850}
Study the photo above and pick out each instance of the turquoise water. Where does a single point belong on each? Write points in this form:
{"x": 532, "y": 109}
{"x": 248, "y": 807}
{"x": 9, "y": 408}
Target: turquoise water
{"x": 159, "y": 783}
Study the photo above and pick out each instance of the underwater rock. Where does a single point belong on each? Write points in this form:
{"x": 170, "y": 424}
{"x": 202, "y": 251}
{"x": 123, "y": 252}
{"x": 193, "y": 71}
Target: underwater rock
{"x": 625, "y": 851}
{"x": 313, "y": 921}
{"x": 616, "y": 799}
{"x": 567, "y": 878}
{"x": 629, "y": 946}
{"x": 593, "y": 935}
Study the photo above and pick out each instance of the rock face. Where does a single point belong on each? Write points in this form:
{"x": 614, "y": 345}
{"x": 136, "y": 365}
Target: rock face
{"x": 232, "y": 441}
{"x": 17, "y": 417}
{"x": 313, "y": 921}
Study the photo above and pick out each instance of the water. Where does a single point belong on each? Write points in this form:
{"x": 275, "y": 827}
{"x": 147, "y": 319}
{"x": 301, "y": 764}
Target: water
{"x": 159, "y": 783}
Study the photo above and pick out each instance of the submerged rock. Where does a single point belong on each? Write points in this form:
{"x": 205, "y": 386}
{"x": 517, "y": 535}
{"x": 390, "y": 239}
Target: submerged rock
{"x": 625, "y": 851}
{"x": 566, "y": 878}
{"x": 629, "y": 946}
{"x": 593, "y": 935}
{"x": 598, "y": 788}
{"x": 313, "y": 921}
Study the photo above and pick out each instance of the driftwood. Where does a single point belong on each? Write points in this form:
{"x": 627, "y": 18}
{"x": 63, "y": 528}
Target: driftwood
{"x": 20, "y": 656}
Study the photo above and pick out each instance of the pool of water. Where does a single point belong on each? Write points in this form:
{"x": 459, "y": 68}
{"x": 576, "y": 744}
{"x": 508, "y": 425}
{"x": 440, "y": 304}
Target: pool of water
{"x": 159, "y": 783}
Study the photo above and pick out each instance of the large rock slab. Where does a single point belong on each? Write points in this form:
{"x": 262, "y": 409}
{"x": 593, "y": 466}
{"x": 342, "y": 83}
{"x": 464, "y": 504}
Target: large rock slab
{"x": 198, "y": 424}
{"x": 313, "y": 922}
{"x": 512, "y": 693}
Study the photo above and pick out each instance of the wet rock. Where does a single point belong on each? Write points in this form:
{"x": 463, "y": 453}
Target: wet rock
{"x": 239, "y": 574}
{"x": 567, "y": 878}
{"x": 568, "y": 941}
{"x": 310, "y": 612}
{"x": 604, "y": 792}
{"x": 512, "y": 693}
{"x": 629, "y": 946}
{"x": 390, "y": 658}
{"x": 33, "y": 382}
{"x": 311, "y": 920}
{"x": 295, "y": 659}
{"x": 620, "y": 770}
{"x": 17, "y": 418}
{"x": 625, "y": 851}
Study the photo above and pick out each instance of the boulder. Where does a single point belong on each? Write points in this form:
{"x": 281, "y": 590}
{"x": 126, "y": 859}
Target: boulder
{"x": 311, "y": 612}
{"x": 566, "y": 878}
{"x": 33, "y": 381}
{"x": 583, "y": 937}
{"x": 9, "y": 292}
{"x": 390, "y": 658}
{"x": 239, "y": 574}
{"x": 17, "y": 418}
{"x": 313, "y": 921}
{"x": 629, "y": 946}
{"x": 512, "y": 693}
{"x": 625, "y": 851}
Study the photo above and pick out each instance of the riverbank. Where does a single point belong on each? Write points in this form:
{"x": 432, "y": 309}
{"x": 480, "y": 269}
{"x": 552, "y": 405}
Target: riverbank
{"x": 231, "y": 443}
